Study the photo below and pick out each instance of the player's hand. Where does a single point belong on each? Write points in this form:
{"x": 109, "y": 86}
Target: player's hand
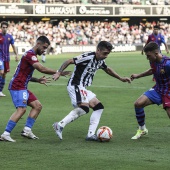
{"x": 66, "y": 73}
{"x": 133, "y": 76}
{"x": 16, "y": 58}
{"x": 125, "y": 79}
{"x": 56, "y": 76}
{"x": 44, "y": 80}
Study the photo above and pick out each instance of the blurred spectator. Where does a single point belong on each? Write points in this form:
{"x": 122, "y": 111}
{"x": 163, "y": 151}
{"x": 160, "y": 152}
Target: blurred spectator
{"x": 84, "y": 32}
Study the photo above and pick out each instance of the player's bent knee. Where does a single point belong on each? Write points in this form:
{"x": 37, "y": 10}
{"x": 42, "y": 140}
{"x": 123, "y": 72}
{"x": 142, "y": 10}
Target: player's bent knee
{"x": 137, "y": 105}
{"x": 38, "y": 107}
{"x": 98, "y": 107}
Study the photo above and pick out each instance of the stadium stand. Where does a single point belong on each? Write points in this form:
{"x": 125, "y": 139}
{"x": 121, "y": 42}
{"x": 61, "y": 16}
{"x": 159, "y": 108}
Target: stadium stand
{"x": 84, "y": 32}
{"x": 115, "y": 2}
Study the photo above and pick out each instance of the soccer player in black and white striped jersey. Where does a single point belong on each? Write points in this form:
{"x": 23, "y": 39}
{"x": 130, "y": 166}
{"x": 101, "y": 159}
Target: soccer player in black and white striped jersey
{"x": 82, "y": 99}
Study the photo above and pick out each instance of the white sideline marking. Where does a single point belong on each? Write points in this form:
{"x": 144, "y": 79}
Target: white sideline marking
{"x": 118, "y": 87}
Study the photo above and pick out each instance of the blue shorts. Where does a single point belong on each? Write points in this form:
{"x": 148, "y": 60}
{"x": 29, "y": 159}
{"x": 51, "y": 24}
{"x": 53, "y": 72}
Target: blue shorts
{"x": 1, "y": 65}
{"x": 155, "y": 97}
{"x": 19, "y": 97}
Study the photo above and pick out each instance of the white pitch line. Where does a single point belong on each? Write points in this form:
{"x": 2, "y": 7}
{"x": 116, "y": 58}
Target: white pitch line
{"x": 118, "y": 87}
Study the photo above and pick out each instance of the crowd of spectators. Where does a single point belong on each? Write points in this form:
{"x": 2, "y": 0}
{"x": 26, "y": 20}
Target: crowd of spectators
{"x": 116, "y": 2}
{"x": 84, "y": 32}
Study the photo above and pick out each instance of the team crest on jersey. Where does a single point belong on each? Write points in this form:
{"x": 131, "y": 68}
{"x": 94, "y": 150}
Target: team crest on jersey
{"x": 34, "y": 58}
{"x": 9, "y": 39}
{"x": 162, "y": 71}
{"x": 79, "y": 57}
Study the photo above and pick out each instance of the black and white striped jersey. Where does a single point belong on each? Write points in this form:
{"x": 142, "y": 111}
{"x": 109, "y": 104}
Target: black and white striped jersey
{"x": 85, "y": 68}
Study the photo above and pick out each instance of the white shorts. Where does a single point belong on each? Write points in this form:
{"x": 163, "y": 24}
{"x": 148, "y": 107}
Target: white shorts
{"x": 79, "y": 94}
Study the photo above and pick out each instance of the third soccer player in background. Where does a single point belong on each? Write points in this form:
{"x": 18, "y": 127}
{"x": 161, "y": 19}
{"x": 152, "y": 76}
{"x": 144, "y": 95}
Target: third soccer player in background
{"x": 157, "y": 38}
{"x": 5, "y": 41}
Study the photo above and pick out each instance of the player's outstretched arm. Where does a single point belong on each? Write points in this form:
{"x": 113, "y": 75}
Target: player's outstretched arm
{"x": 66, "y": 73}
{"x": 144, "y": 74}
{"x": 61, "y": 71}
{"x": 38, "y": 66}
{"x": 43, "y": 80}
{"x": 112, "y": 73}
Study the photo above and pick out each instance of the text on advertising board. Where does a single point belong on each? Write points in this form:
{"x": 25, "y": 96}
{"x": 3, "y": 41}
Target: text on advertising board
{"x": 129, "y": 11}
{"x": 94, "y": 10}
{"x": 14, "y": 9}
{"x": 41, "y": 9}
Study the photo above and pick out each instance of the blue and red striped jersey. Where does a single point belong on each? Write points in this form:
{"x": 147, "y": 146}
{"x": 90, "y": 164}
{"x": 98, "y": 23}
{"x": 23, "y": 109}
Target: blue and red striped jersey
{"x": 5, "y": 41}
{"x": 159, "y": 39}
{"x": 161, "y": 73}
{"x": 24, "y": 71}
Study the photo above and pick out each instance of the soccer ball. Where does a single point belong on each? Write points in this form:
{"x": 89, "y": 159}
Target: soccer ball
{"x": 104, "y": 134}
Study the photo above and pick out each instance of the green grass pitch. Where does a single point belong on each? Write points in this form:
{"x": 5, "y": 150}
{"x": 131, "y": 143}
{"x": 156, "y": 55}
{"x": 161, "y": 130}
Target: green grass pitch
{"x": 74, "y": 153}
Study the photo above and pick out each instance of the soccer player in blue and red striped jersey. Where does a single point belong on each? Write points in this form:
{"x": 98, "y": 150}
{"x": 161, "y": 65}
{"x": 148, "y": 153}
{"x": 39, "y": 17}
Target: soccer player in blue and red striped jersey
{"x": 21, "y": 96}
{"x": 5, "y": 41}
{"x": 157, "y": 38}
{"x": 160, "y": 92}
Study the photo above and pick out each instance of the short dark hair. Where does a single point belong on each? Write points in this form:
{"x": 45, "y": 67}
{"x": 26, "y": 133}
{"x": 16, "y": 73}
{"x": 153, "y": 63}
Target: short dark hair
{"x": 105, "y": 45}
{"x": 156, "y": 27}
{"x": 4, "y": 23}
{"x": 43, "y": 39}
{"x": 151, "y": 47}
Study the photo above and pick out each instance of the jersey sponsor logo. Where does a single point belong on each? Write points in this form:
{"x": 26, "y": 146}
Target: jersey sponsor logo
{"x": 162, "y": 71}
{"x": 34, "y": 58}
{"x": 79, "y": 57}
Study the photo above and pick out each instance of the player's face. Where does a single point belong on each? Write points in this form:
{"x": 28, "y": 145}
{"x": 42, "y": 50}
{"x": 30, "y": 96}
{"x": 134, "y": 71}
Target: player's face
{"x": 151, "y": 55}
{"x": 156, "y": 31}
{"x": 4, "y": 29}
{"x": 102, "y": 54}
{"x": 42, "y": 47}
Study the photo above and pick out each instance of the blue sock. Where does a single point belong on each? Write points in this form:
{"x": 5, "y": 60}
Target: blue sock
{"x": 2, "y": 83}
{"x": 140, "y": 116}
{"x": 10, "y": 126}
{"x": 30, "y": 122}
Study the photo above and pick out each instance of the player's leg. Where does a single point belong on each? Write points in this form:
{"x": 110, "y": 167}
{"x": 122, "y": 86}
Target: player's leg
{"x": 166, "y": 104}
{"x": 168, "y": 111}
{"x": 19, "y": 99}
{"x": 98, "y": 108}
{"x": 36, "y": 108}
{"x": 2, "y": 78}
{"x": 79, "y": 100}
{"x": 148, "y": 98}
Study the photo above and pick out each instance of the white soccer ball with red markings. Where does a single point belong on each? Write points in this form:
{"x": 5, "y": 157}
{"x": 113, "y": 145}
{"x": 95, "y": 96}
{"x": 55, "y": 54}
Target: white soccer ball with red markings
{"x": 104, "y": 134}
